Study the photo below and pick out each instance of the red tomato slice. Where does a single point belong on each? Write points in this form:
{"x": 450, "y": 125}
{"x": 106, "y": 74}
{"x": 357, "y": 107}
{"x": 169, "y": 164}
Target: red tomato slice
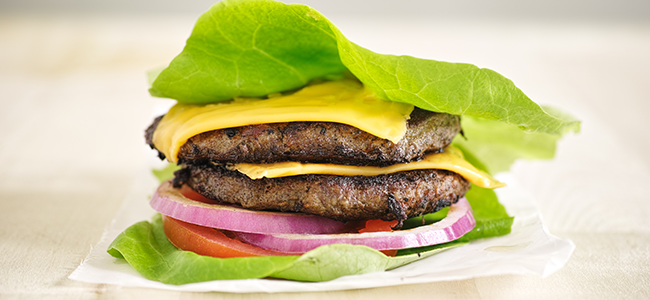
{"x": 389, "y": 252}
{"x": 209, "y": 241}
{"x": 378, "y": 225}
{"x": 191, "y": 194}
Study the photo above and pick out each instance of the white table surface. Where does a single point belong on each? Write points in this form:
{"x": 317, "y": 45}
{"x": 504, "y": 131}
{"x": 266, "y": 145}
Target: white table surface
{"x": 74, "y": 106}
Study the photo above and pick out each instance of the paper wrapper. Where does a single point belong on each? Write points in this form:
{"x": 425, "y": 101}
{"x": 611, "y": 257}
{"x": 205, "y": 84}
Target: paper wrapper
{"x": 529, "y": 249}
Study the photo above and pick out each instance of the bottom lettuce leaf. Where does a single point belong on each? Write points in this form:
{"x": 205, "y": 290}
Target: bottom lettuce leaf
{"x": 333, "y": 261}
{"x": 145, "y": 247}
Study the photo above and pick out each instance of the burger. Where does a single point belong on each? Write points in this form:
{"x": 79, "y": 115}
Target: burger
{"x": 298, "y": 150}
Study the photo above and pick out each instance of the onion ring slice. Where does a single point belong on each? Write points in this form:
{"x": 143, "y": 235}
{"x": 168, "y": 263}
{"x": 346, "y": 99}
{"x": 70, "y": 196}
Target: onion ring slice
{"x": 458, "y": 222}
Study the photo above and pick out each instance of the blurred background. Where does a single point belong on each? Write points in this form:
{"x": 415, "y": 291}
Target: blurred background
{"x": 602, "y": 10}
{"x": 74, "y": 106}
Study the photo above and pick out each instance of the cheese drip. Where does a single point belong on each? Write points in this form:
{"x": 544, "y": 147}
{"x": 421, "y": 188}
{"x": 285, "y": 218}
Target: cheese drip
{"x": 451, "y": 159}
{"x": 347, "y": 102}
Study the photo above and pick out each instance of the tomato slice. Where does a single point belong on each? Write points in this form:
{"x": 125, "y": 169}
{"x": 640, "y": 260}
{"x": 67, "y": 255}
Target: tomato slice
{"x": 209, "y": 241}
{"x": 192, "y": 194}
{"x": 378, "y": 225}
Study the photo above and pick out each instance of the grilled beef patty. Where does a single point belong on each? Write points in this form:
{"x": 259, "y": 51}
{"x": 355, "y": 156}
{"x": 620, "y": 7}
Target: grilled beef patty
{"x": 317, "y": 142}
{"x": 396, "y": 196}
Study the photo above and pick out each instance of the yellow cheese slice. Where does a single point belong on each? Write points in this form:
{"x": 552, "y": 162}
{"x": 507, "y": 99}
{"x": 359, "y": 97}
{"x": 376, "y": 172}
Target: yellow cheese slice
{"x": 345, "y": 101}
{"x": 451, "y": 159}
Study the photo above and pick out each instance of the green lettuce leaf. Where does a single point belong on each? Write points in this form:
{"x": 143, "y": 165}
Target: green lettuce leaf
{"x": 145, "y": 247}
{"x": 250, "y": 49}
{"x": 493, "y": 146}
{"x": 491, "y": 217}
{"x": 254, "y": 48}
{"x": 165, "y": 173}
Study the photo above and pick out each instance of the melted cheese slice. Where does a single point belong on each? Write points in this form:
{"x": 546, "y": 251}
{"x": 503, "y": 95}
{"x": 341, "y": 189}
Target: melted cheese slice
{"x": 346, "y": 101}
{"x": 451, "y": 159}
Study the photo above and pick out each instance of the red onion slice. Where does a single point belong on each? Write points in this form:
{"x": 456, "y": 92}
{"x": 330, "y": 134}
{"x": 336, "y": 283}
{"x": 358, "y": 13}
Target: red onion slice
{"x": 169, "y": 201}
{"x": 458, "y": 222}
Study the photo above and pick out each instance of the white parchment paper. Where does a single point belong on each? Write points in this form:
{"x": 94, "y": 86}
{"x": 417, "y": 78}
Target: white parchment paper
{"x": 529, "y": 249}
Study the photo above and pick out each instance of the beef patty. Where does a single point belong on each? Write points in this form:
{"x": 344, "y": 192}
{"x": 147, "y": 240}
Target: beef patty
{"x": 396, "y": 196}
{"x": 317, "y": 142}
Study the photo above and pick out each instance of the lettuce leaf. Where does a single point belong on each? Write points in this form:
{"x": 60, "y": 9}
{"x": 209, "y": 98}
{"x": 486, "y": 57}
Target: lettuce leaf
{"x": 166, "y": 173}
{"x": 493, "y": 146}
{"x": 146, "y": 248}
{"x": 250, "y": 49}
{"x": 253, "y": 48}
{"x": 491, "y": 217}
